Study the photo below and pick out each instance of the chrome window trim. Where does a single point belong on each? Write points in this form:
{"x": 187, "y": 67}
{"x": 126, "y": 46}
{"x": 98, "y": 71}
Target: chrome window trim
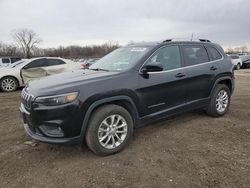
{"x": 180, "y": 55}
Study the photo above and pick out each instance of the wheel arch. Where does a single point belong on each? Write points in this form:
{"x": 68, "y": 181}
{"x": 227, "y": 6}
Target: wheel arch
{"x": 123, "y": 101}
{"x": 7, "y": 76}
{"x": 227, "y": 80}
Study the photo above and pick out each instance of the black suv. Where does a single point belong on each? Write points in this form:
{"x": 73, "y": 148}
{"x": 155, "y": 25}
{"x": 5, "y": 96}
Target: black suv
{"x": 130, "y": 87}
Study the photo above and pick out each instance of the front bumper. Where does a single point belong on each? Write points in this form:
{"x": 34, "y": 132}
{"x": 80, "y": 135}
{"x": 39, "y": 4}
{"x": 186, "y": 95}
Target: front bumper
{"x": 38, "y": 134}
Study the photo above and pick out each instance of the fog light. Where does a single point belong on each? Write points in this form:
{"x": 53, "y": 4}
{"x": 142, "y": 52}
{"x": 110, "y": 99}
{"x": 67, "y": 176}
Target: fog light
{"x": 52, "y": 131}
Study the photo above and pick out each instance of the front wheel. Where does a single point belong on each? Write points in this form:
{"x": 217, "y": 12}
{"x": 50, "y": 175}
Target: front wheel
{"x": 220, "y": 101}
{"x": 109, "y": 130}
{"x": 8, "y": 84}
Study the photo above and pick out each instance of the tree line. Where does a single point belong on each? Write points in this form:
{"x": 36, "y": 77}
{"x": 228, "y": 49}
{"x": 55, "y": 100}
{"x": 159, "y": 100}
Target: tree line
{"x": 241, "y": 49}
{"x": 27, "y": 46}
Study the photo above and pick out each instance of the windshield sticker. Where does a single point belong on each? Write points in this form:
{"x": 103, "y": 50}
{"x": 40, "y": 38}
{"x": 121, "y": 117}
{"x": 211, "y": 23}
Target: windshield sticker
{"x": 138, "y": 49}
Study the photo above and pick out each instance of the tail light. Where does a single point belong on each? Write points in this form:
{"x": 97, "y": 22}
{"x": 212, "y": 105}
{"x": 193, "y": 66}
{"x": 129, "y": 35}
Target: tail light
{"x": 82, "y": 66}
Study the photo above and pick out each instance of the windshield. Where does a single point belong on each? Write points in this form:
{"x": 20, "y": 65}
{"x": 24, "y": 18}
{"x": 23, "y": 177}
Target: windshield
{"x": 120, "y": 59}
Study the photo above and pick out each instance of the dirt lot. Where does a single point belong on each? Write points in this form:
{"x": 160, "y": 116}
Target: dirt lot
{"x": 189, "y": 150}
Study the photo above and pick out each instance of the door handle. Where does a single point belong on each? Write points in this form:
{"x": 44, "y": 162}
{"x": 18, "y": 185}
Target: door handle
{"x": 180, "y": 75}
{"x": 213, "y": 68}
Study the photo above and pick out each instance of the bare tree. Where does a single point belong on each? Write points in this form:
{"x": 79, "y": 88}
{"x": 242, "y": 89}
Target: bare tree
{"x": 9, "y": 50}
{"x": 27, "y": 40}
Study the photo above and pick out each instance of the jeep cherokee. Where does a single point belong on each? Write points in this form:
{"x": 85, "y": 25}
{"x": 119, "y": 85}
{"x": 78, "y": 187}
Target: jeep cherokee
{"x": 130, "y": 87}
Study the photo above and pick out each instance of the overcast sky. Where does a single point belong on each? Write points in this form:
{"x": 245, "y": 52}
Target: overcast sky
{"x": 81, "y": 22}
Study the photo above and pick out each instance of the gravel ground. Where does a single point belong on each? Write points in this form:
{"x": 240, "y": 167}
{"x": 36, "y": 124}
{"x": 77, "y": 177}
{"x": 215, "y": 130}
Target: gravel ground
{"x": 188, "y": 150}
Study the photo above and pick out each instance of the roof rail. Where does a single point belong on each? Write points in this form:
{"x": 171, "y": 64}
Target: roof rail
{"x": 168, "y": 40}
{"x": 204, "y": 40}
{"x": 185, "y": 39}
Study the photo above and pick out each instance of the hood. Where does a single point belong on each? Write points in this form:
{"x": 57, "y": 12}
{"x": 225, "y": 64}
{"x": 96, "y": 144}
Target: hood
{"x": 56, "y": 83}
{"x": 7, "y": 70}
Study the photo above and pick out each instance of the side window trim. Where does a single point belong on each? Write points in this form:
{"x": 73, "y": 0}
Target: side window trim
{"x": 181, "y": 59}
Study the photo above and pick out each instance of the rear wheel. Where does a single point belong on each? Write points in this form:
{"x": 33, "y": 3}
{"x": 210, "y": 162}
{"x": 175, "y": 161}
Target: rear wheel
{"x": 220, "y": 101}
{"x": 109, "y": 130}
{"x": 8, "y": 84}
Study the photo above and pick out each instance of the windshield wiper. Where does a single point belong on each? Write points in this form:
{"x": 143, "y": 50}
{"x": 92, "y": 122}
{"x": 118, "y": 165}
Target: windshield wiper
{"x": 98, "y": 69}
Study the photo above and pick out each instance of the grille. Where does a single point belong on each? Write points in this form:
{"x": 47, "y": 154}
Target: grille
{"x": 26, "y": 99}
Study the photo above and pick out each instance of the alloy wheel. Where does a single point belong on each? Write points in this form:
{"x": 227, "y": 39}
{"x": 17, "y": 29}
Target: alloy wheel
{"x": 112, "y": 131}
{"x": 8, "y": 84}
{"x": 222, "y": 100}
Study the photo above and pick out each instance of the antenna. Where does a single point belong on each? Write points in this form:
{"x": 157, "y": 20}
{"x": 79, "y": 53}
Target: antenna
{"x": 192, "y": 36}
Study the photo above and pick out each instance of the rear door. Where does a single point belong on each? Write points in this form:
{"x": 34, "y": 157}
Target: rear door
{"x": 55, "y": 66}
{"x": 201, "y": 71}
{"x": 164, "y": 89}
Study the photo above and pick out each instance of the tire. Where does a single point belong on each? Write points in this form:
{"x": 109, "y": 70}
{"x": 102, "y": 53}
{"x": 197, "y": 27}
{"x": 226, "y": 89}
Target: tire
{"x": 8, "y": 84}
{"x": 238, "y": 66}
{"x": 101, "y": 120}
{"x": 213, "y": 107}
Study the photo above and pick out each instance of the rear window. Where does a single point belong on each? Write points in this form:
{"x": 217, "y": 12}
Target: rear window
{"x": 214, "y": 54}
{"x": 5, "y": 60}
{"x": 53, "y": 62}
{"x": 195, "y": 54}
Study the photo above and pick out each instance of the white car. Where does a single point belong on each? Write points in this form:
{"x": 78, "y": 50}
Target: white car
{"x": 23, "y": 71}
{"x": 8, "y": 61}
{"x": 245, "y": 60}
{"x": 236, "y": 60}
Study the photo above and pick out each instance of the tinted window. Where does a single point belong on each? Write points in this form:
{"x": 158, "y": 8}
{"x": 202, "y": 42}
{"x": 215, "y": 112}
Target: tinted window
{"x": 169, "y": 57}
{"x": 36, "y": 63}
{"x": 5, "y": 60}
{"x": 195, "y": 55}
{"x": 213, "y": 53}
{"x": 13, "y": 60}
{"x": 53, "y": 62}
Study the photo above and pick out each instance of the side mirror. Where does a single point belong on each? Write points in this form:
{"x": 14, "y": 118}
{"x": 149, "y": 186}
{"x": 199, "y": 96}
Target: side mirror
{"x": 152, "y": 68}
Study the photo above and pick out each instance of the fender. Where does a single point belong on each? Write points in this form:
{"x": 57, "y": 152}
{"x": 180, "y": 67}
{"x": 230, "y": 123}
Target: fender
{"x": 221, "y": 79}
{"x": 103, "y": 101}
{"x": 18, "y": 81}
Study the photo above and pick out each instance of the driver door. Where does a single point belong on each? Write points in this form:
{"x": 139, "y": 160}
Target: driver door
{"x": 164, "y": 90}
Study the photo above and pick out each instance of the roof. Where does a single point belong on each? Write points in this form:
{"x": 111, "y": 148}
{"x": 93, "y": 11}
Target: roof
{"x": 172, "y": 41}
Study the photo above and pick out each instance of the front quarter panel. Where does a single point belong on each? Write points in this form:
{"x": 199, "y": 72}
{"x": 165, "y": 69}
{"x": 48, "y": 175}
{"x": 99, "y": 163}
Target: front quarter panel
{"x": 13, "y": 72}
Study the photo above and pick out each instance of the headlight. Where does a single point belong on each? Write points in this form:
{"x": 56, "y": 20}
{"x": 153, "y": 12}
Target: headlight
{"x": 57, "y": 99}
